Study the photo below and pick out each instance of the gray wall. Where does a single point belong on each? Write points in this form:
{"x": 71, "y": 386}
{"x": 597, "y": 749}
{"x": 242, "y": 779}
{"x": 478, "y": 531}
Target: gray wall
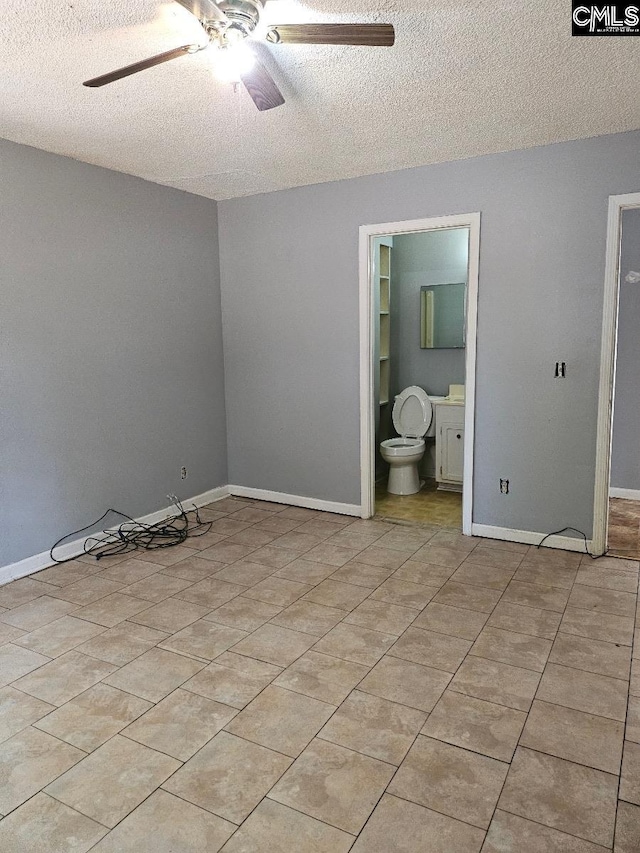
{"x": 625, "y": 453}
{"x": 111, "y": 347}
{"x": 435, "y": 257}
{"x": 289, "y": 263}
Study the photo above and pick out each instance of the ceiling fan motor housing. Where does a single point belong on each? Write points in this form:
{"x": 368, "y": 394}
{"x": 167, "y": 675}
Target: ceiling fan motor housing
{"x": 243, "y": 14}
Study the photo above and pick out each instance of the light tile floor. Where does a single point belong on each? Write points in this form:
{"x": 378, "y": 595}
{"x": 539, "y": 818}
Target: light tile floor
{"x": 307, "y": 683}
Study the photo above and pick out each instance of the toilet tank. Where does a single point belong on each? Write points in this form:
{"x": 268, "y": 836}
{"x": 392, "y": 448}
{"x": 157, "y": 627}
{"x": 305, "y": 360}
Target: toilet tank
{"x": 432, "y": 426}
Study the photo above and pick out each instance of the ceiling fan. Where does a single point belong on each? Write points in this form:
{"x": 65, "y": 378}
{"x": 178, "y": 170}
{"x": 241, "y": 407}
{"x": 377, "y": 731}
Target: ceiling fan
{"x": 230, "y": 24}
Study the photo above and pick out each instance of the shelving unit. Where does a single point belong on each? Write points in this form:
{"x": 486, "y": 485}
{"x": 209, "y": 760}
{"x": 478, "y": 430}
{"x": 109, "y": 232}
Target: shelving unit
{"x": 384, "y": 283}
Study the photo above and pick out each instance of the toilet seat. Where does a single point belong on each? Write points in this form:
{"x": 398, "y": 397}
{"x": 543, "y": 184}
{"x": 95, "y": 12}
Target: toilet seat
{"x": 399, "y": 448}
{"x": 412, "y": 412}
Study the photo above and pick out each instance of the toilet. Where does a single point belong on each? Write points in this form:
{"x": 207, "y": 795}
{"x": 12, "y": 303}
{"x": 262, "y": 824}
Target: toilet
{"x": 413, "y": 420}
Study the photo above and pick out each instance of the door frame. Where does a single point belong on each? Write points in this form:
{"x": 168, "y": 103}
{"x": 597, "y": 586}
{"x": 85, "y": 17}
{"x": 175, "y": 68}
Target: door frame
{"x": 367, "y": 418}
{"x": 617, "y": 204}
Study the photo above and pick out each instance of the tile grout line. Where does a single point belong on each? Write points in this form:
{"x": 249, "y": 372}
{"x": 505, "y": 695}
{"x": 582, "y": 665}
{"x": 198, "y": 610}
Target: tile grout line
{"x": 531, "y": 704}
{"x": 334, "y": 712}
{"x": 525, "y": 723}
{"x": 619, "y": 775}
{"x": 386, "y": 790}
{"x": 624, "y": 731}
{"x": 396, "y": 638}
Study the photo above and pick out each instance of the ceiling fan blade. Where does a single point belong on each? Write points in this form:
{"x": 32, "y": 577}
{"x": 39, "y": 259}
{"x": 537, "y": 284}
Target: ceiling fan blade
{"x": 140, "y": 66}
{"x": 204, "y": 10}
{"x": 372, "y": 35}
{"x": 262, "y": 88}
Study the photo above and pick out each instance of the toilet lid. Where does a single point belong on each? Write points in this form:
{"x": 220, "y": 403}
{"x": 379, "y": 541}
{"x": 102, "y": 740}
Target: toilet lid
{"x": 412, "y": 412}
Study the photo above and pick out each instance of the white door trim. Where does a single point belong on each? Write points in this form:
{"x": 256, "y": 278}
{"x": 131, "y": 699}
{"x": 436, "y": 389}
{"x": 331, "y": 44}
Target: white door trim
{"x": 367, "y": 421}
{"x": 617, "y": 203}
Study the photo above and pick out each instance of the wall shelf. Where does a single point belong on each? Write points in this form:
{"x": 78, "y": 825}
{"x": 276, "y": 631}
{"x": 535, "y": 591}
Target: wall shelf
{"x": 384, "y": 340}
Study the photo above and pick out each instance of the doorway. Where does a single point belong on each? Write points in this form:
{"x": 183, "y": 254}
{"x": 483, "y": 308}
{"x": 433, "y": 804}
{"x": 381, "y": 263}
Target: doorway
{"x": 617, "y": 493}
{"x": 418, "y": 317}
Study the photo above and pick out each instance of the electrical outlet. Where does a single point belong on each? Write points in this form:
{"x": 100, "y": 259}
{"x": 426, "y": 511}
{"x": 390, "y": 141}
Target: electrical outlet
{"x": 183, "y": 473}
{"x": 561, "y": 370}
{"x": 504, "y": 487}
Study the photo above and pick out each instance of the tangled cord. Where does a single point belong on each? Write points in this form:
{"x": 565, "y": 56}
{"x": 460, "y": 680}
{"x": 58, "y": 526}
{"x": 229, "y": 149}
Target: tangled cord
{"x": 132, "y": 535}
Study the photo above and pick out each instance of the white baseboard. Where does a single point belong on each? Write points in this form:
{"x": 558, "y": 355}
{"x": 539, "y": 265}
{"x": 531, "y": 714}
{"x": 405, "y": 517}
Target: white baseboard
{"x": 75, "y": 548}
{"x": 209, "y": 497}
{"x": 626, "y": 494}
{"x": 295, "y": 500}
{"x": 528, "y": 537}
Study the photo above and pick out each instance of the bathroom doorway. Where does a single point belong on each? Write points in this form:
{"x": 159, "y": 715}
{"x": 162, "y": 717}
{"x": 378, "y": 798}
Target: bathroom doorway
{"x": 617, "y": 512}
{"x": 418, "y": 300}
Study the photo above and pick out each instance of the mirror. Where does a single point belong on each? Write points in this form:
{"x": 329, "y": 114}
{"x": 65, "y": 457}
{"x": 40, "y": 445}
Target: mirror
{"x": 442, "y": 316}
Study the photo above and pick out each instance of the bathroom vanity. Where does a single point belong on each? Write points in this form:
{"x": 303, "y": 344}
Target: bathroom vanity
{"x": 449, "y": 416}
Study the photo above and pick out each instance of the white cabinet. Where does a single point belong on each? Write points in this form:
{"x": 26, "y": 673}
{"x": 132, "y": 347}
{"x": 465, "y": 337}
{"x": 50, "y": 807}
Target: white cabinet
{"x": 449, "y": 445}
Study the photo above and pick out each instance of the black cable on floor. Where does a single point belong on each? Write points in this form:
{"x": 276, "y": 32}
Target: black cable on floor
{"x": 572, "y": 530}
{"x": 132, "y": 535}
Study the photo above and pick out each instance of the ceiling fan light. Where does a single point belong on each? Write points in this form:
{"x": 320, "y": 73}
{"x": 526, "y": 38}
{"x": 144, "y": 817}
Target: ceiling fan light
{"x": 232, "y": 62}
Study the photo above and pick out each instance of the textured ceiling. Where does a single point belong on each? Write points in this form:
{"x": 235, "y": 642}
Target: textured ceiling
{"x": 466, "y": 77}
